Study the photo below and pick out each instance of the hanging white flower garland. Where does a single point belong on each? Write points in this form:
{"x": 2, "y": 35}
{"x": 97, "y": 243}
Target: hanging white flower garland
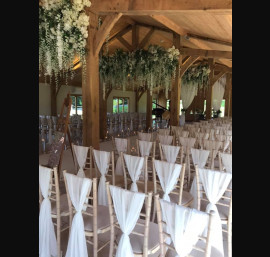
{"x": 142, "y": 68}
{"x": 62, "y": 35}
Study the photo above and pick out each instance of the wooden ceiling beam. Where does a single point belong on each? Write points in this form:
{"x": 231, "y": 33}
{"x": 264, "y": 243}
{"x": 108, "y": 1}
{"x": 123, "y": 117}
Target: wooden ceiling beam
{"x": 208, "y": 39}
{"x": 170, "y": 24}
{"x": 206, "y": 53}
{"x": 104, "y": 30}
{"x": 147, "y": 38}
{"x": 142, "y": 7}
{"x": 121, "y": 33}
{"x": 125, "y": 43}
{"x": 189, "y": 61}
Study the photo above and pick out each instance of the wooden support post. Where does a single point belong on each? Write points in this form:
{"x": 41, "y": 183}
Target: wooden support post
{"x": 90, "y": 88}
{"x": 102, "y": 113}
{"x": 209, "y": 91}
{"x": 176, "y": 88}
{"x": 228, "y": 103}
{"x": 135, "y": 37}
{"x": 90, "y": 91}
{"x": 149, "y": 110}
{"x": 53, "y": 98}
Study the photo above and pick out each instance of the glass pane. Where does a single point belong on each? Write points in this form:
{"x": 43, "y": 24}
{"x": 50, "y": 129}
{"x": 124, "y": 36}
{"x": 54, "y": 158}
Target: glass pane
{"x": 181, "y": 107}
{"x": 73, "y": 105}
{"x": 168, "y": 105}
{"x": 115, "y": 105}
{"x": 222, "y": 108}
{"x": 79, "y": 105}
{"x": 125, "y": 104}
{"x": 204, "y": 105}
{"x": 120, "y": 105}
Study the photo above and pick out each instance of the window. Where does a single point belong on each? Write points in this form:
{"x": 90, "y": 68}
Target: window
{"x": 181, "y": 107}
{"x": 120, "y": 104}
{"x": 222, "y": 108}
{"x": 76, "y": 105}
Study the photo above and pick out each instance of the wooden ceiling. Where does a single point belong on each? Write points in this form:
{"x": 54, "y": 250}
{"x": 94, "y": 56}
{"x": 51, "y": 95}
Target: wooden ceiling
{"x": 202, "y": 24}
{"x": 205, "y": 24}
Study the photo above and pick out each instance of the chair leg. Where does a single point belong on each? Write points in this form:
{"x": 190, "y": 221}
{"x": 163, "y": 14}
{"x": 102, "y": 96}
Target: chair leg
{"x": 58, "y": 236}
{"x": 229, "y": 241}
{"x": 111, "y": 243}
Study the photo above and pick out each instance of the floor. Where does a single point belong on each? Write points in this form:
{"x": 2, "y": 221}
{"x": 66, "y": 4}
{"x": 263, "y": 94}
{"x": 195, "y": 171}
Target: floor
{"x": 69, "y": 166}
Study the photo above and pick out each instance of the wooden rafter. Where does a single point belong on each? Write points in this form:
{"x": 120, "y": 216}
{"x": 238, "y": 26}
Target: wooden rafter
{"x": 125, "y": 43}
{"x": 170, "y": 24}
{"x": 121, "y": 33}
{"x": 187, "y": 64}
{"x": 206, "y": 53}
{"x": 146, "y": 38}
{"x": 104, "y": 30}
{"x": 208, "y": 39}
{"x": 142, "y": 7}
{"x": 218, "y": 76}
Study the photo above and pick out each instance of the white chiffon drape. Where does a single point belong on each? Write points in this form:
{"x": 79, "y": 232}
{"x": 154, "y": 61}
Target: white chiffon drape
{"x": 144, "y": 136}
{"x": 47, "y": 238}
{"x": 217, "y": 93}
{"x": 121, "y": 146}
{"x": 145, "y": 148}
{"x": 188, "y": 92}
{"x": 78, "y": 189}
{"x": 170, "y": 152}
{"x": 168, "y": 174}
{"x": 134, "y": 166}
{"x": 187, "y": 142}
{"x": 102, "y": 159}
{"x": 127, "y": 207}
{"x": 227, "y": 161}
{"x": 215, "y": 184}
{"x": 199, "y": 157}
{"x": 165, "y": 139}
{"x": 184, "y": 225}
{"x": 81, "y": 156}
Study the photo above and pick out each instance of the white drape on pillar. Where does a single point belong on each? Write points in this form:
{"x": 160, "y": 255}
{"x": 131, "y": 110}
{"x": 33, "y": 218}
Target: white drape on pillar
{"x": 188, "y": 92}
{"x": 218, "y": 93}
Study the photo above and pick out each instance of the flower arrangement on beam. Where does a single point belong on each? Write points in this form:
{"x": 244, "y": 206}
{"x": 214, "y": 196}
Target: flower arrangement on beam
{"x": 197, "y": 75}
{"x": 62, "y": 36}
{"x": 149, "y": 68}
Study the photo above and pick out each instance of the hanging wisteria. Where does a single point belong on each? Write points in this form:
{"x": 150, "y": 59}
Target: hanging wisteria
{"x": 149, "y": 68}
{"x": 62, "y": 36}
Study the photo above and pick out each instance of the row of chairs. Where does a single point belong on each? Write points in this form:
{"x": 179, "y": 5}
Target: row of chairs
{"x": 88, "y": 219}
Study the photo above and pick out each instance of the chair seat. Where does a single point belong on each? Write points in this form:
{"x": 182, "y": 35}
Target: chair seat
{"x": 103, "y": 219}
{"x": 137, "y": 241}
{"x": 187, "y": 198}
{"x": 223, "y": 210}
{"x": 196, "y": 253}
{"x": 119, "y": 180}
{"x": 63, "y": 205}
{"x": 150, "y": 187}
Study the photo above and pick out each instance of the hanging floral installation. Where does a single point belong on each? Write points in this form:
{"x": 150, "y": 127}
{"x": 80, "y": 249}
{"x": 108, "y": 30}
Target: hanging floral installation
{"x": 197, "y": 75}
{"x": 62, "y": 36}
{"x": 149, "y": 68}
